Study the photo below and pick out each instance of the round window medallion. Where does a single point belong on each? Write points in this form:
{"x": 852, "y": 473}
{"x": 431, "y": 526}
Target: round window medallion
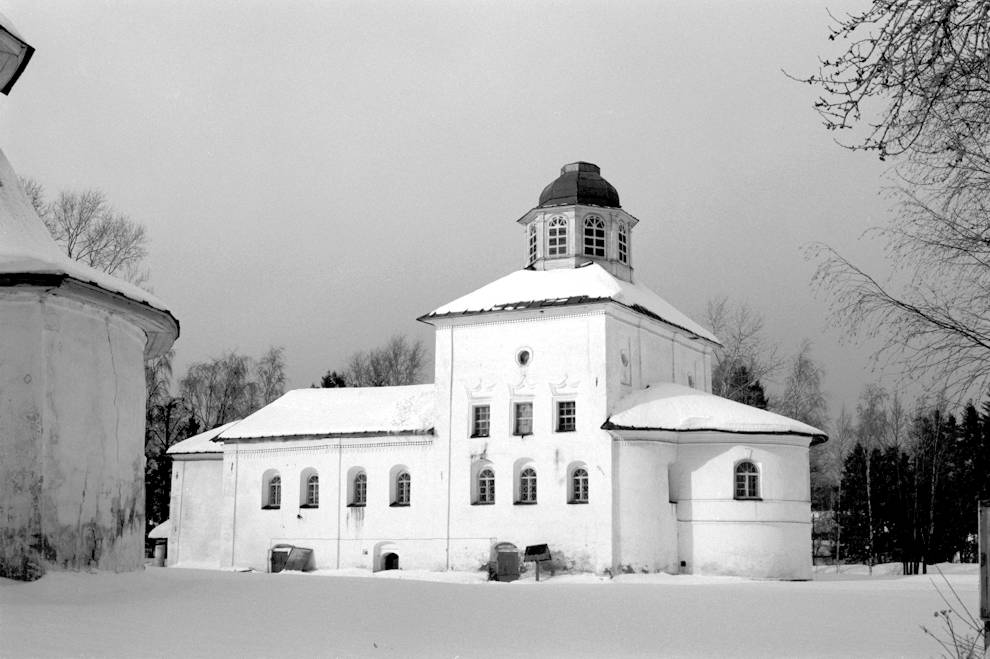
{"x": 523, "y": 356}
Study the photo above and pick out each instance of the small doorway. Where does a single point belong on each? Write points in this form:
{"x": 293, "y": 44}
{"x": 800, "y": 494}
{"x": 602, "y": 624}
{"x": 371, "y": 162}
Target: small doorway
{"x": 390, "y": 561}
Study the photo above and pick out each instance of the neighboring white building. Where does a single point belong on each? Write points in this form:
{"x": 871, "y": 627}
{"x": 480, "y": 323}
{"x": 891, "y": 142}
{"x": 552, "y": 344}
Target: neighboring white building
{"x": 570, "y": 407}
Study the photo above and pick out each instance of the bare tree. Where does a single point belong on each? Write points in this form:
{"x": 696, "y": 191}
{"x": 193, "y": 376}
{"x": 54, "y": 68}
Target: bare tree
{"x": 871, "y": 428}
{"x": 219, "y": 390}
{"x": 398, "y": 362}
{"x": 915, "y": 78}
{"x": 270, "y": 374}
{"x": 87, "y": 227}
{"x": 803, "y": 398}
{"x": 837, "y": 448}
{"x": 745, "y": 349}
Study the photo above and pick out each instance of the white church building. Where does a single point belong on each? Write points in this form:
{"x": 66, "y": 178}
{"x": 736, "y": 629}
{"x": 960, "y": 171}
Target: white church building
{"x": 571, "y": 406}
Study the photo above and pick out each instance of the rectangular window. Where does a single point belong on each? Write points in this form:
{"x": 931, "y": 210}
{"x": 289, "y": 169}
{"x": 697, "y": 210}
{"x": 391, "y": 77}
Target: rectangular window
{"x": 524, "y": 419}
{"x": 480, "y": 420}
{"x": 566, "y": 416}
{"x": 623, "y": 245}
{"x": 532, "y": 242}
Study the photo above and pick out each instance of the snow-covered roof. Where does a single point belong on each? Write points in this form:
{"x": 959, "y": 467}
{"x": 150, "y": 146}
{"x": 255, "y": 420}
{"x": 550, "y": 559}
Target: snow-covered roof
{"x": 342, "y": 411}
{"x": 201, "y": 443}
{"x": 668, "y": 406}
{"x": 26, "y": 248}
{"x": 162, "y": 531}
{"x": 592, "y": 283}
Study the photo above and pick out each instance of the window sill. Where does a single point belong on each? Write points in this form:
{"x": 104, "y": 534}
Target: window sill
{"x": 748, "y": 498}
{"x": 524, "y": 435}
{"x": 577, "y": 502}
{"x": 309, "y": 506}
{"x": 566, "y": 430}
{"x": 356, "y": 505}
{"x": 396, "y": 504}
{"x": 270, "y": 507}
{"x": 485, "y": 436}
{"x": 482, "y": 503}
{"x": 524, "y": 503}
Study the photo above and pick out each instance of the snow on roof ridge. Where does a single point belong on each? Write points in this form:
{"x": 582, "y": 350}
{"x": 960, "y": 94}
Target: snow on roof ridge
{"x": 527, "y": 288}
{"x": 675, "y": 407}
{"x": 406, "y": 409}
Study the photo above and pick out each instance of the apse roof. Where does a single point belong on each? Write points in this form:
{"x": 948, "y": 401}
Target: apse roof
{"x": 563, "y": 287}
{"x": 26, "y": 248}
{"x": 674, "y": 407}
{"x": 579, "y": 183}
{"x": 342, "y": 411}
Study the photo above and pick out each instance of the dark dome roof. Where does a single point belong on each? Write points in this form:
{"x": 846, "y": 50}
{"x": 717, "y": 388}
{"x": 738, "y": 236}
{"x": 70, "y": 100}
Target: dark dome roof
{"x": 580, "y": 183}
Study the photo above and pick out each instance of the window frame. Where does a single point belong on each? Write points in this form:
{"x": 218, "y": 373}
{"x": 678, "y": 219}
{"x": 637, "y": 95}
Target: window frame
{"x": 579, "y": 489}
{"x": 527, "y": 491}
{"x": 476, "y": 423}
{"x": 622, "y": 243}
{"x": 485, "y": 485}
{"x": 594, "y": 237}
{"x": 403, "y": 490}
{"x": 559, "y": 416}
{"x": 532, "y": 252}
{"x": 273, "y": 492}
{"x": 557, "y": 236}
{"x": 360, "y": 478}
{"x": 746, "y": 484}
{"x": 312, "y": 492}
{"x": 516, "y": 418}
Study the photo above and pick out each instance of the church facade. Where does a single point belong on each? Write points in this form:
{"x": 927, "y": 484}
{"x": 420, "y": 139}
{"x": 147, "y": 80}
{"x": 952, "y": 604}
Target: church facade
{"x": 571, "y": 406}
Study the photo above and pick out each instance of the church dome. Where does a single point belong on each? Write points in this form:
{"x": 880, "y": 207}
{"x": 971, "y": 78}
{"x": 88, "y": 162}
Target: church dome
{"x": 580, "y": 183}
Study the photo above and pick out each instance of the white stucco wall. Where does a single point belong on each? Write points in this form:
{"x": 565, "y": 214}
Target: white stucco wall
{"x": 645, "y": 524}
{"x": 567, "y": 363}
{"x": 194, "y": 511}
{"x": 72, "y": 423}
{"x": 717, "y": 534}
{"x": 340, "y": 535}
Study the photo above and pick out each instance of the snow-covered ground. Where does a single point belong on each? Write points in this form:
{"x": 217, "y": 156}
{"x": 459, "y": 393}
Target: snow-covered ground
{"x": 173, "y": 612}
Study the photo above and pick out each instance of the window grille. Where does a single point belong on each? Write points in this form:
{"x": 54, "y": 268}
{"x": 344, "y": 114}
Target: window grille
{"x": 486, "y": 486}
{"x": 480, "y": 421}
{"x": 403, "y": 489}
{"x": 747, "y": 481}
{"x": 524, "y": 419}
{"x": 557, "y": 237}
{"x": 579, "y": 486}
{"x": 594, "y": 237}
{"x": 527, "y": 485}
{"x": 566, "y": 416}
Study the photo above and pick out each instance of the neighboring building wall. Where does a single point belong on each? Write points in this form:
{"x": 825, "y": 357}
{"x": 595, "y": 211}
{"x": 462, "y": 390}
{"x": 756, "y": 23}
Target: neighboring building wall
{"x": 567, "y": 363}
{"x": 72, "y": 420}
{"x": 194, "y": 540}
{"x": 718, "y": 534}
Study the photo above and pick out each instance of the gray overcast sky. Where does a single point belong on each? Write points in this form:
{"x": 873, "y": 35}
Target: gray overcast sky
{"x": 317, "y": 174}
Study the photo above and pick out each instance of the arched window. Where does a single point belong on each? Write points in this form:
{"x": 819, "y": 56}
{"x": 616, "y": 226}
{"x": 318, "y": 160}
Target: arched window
{"x": 274, "y": 492}
{"x": 403, "y": 489}
{"x": 747, "y": 480}
{"x": 359, "y": 489}
{"x": 527, "y": 485}
{"x": 532, "y": 242}
{"x": 557, "y": 237}
{"x": 623, "y": 244}
{"x": 486, "y": 486}
{"x": 313, "y": 491}
{"x": 594, "y": 236}
{"x": 579, "y": 485}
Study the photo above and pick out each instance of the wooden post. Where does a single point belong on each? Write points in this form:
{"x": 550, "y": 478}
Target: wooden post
{"x": 537, "y": 570}
{"x": 984, "y": 538}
